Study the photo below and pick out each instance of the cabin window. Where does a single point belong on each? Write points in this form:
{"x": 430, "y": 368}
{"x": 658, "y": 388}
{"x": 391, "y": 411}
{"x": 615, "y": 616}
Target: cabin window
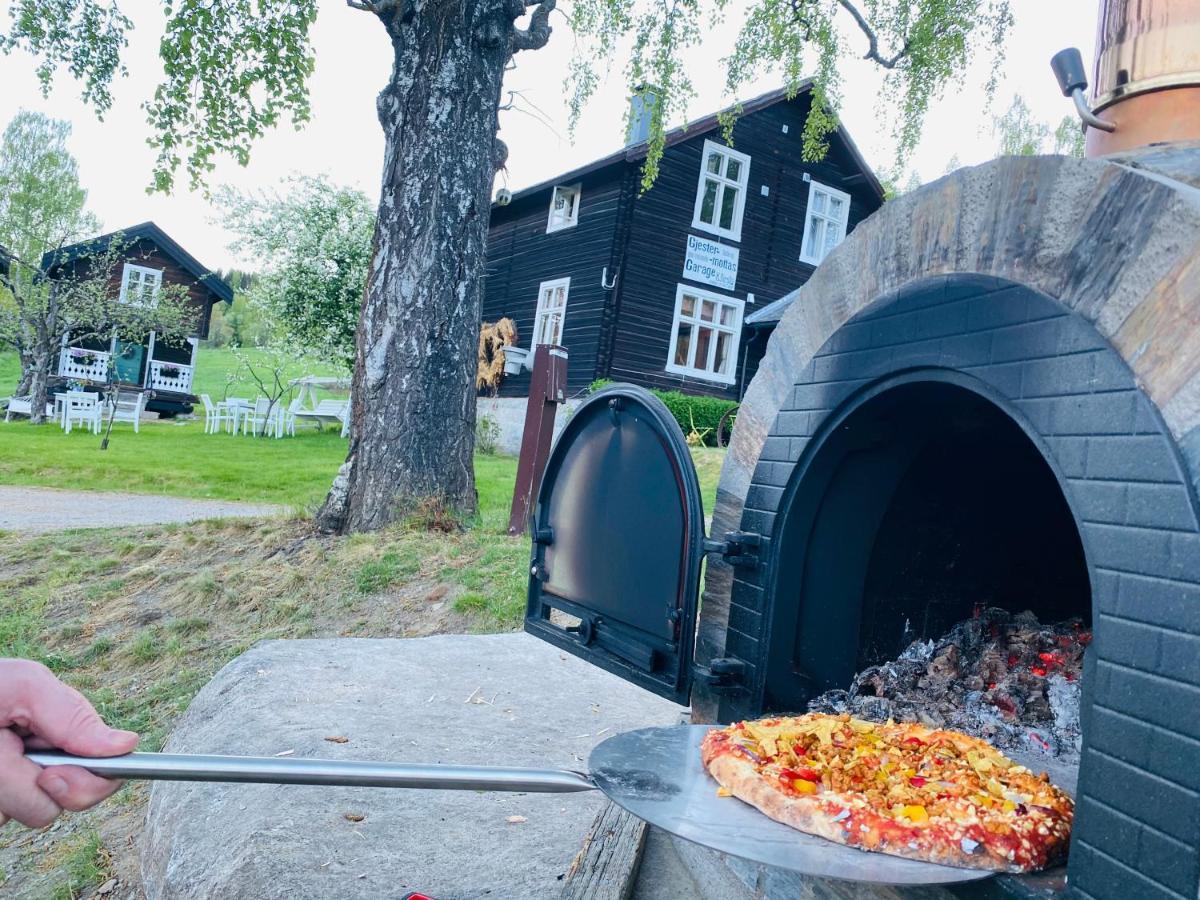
{"x": 721, "y": 193}
{"x": 704, "y": 336}
{"x": 551, "y": 310}
{"x": 564, "y": 207}
{"x": 825, "y": 224}
{"x": 139, "y": 285}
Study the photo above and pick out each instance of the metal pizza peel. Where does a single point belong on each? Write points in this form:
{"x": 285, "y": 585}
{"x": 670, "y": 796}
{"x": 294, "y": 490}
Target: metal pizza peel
{"x": 654, "y": 773}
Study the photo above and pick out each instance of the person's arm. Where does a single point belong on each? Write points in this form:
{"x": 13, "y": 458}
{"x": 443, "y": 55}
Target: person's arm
{"x": 39, "y": 711}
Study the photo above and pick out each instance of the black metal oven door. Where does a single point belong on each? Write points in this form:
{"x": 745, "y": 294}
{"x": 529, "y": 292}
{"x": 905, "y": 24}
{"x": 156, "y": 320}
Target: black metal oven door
{"x": 618, "y": 535}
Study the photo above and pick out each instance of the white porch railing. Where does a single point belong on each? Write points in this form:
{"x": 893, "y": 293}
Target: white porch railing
{"x": 85, "y": 365}
{"x": 167, "y": 376}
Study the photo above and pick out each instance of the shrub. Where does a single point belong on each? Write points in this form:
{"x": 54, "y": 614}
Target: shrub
{"x": 696, "y": 415}
{"x": 487, "y": 435}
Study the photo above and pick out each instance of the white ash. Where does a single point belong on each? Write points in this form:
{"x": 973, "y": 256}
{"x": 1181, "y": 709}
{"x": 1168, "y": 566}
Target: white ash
{"x": 1007, "y": 679}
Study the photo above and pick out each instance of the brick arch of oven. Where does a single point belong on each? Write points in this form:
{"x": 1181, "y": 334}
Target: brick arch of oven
{"x": 1128, "y": 489}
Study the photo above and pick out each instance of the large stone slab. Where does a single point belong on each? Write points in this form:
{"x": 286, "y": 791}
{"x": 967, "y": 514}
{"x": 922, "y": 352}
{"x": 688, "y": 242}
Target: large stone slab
{"x": 485, "y": 700}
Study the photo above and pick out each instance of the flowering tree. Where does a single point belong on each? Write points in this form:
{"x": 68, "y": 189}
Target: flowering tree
{"x": 313, "y": 243}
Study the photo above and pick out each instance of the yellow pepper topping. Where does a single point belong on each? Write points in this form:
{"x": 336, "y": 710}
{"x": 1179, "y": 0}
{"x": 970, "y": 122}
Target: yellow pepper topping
{"x": 916, "y": 814}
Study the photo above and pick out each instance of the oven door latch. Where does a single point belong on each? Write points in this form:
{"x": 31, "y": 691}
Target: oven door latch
{"x": 721, "y": 675}
{"x": 739, "y": 549}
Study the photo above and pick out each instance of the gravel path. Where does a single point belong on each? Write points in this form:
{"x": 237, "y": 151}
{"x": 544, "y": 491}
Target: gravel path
{"x": 47, "y": 509}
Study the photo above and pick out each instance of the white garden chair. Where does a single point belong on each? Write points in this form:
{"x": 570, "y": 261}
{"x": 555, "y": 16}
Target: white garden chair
{"x": 289, "y": 418}
{"x": 127, "y": 407}
{"x": 265, "y": 416}
{"x": 83, "y": 409}
{"x": 216, "y": 414}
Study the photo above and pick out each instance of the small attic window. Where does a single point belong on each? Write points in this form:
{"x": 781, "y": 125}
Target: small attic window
{"x": 564, "y": 207}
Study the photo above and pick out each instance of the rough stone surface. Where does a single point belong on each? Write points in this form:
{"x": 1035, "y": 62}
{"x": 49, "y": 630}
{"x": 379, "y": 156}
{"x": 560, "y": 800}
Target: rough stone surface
{"x": 509, "y": 415}
{"x": 479, "y": 700}
{"x": 47, "y": 509}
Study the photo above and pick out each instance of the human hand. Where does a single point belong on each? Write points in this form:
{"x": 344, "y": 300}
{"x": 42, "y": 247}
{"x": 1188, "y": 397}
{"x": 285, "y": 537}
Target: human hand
{"x": 37, "y": 711}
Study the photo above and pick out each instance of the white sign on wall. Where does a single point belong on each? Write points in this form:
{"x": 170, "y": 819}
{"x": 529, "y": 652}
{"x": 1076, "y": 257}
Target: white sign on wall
{"x": 710, "y": 262}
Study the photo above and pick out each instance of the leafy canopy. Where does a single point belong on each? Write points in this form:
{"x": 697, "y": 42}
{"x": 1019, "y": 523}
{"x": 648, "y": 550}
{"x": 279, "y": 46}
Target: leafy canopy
{"x": 234, "y": 68}
{"x": 231, "y": 69}
{"x": 922, "y": 46}
{"x": 313, "y": 242}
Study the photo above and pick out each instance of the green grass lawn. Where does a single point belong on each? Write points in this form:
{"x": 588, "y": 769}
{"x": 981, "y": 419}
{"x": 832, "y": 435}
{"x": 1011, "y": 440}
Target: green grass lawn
{"x": 174, "y": 457}
{"x": 177, "y": 458}
{"x": 10, "y": 372}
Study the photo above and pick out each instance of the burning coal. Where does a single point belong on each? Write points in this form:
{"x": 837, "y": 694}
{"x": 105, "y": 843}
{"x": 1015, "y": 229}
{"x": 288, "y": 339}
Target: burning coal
{"x": 1007, "y": 679}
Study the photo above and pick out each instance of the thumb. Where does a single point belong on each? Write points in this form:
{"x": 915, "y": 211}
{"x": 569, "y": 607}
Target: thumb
{"x": 60, "y": 714}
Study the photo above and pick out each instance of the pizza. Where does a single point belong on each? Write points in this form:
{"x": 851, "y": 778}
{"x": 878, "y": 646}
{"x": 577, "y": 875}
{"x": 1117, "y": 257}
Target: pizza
{"x": 900, "y": 788}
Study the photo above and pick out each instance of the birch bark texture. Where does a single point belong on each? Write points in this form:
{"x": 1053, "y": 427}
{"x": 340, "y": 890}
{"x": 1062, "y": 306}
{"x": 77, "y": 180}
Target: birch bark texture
{"x": 412, "y": 429}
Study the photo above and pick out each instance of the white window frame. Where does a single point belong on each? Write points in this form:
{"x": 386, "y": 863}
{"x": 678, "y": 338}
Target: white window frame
{"x": 735, "y": 329}
{"x": 573, "y": 218}
{"x": 128, "y": 270}
{"x": 548, "y": 287}
{"x": 809, "y": 215}
{"x": 742, "y": 184}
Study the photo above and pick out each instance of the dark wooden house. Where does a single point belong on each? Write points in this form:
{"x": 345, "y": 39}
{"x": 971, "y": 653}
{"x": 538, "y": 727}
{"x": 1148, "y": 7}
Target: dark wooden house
{"x": 151, "y": 259}
{"x": 654, "y": 288}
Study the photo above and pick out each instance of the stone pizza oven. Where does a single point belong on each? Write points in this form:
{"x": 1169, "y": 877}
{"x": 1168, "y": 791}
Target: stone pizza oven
{"x": 989, "y": 395}
{"x": 961, "y": 488}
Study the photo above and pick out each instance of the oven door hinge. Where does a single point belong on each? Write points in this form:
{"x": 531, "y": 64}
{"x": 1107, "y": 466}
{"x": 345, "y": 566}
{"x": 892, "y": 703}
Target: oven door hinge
{"x": 721, "y": 675}
{"x": 739, "y": 549}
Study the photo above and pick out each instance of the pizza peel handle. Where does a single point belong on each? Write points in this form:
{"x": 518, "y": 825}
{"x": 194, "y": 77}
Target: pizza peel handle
{"x": 346, "y": 773}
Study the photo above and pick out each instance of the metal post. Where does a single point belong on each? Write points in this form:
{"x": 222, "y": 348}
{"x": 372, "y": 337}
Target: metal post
{"x": 547, "y": 389}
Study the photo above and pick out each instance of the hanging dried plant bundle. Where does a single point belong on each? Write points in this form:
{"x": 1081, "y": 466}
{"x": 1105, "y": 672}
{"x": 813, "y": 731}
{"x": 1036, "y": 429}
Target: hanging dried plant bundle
{"x": 493, "y": 338}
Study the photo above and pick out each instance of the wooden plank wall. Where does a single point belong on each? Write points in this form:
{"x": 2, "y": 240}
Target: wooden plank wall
{"x": 772, "y": 231}
{"x": 521, "y": 255}
{"x": 146, "y": 253}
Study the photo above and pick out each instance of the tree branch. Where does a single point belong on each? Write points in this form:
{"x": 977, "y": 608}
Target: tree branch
{"x": 379, "y": 7}
{"x": 538, "y": 33}
{"x": 872, "y": 39}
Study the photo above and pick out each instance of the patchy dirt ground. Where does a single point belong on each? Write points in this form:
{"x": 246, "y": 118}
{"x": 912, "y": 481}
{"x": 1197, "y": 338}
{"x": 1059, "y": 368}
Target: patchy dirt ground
{"x": 140, "y": 619}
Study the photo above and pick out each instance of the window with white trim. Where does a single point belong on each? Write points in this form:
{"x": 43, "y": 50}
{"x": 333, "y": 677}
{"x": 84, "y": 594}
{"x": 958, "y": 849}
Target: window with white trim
{"x": 721, "y": 192}
{"x": 564, "y": 207}
{"x": 705, "y": 335}
{"x": 825, "y": 223}
{"x": 139, "y": 285}
{"x": 551, "y": 311}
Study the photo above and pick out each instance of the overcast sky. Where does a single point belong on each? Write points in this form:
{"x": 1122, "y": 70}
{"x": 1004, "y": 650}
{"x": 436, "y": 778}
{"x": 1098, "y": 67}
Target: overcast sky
{"x": 344, "y": 141}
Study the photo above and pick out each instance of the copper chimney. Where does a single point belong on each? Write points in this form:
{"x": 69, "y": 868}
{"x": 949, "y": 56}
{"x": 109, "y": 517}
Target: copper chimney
{"x": 1147, "y": 75}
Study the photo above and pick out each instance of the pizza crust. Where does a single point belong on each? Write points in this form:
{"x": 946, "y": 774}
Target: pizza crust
{"x": 740, "y": 778}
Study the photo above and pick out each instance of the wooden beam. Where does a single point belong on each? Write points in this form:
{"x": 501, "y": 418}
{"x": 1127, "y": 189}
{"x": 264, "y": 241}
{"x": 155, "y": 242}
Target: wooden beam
{"x": 606, "y": 866}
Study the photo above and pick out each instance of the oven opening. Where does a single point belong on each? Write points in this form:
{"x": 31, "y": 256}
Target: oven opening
{"x": 928, "y": 555}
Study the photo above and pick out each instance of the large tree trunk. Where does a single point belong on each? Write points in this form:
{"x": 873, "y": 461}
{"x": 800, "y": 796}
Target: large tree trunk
{"x": 39, "y": 383}
{"x": 412, "y": 434}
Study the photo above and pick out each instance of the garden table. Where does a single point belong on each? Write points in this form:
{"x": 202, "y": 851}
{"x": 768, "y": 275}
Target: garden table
{"x": 238, "y": 407}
